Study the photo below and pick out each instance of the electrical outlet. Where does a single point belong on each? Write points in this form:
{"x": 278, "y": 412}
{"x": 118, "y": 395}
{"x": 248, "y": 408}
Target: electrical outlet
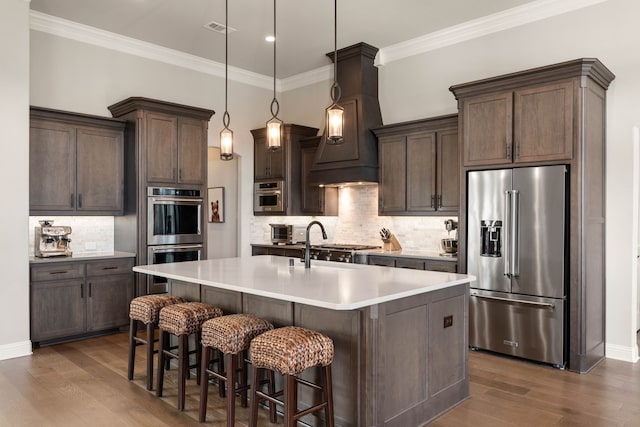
{"x": 448, "y": 321}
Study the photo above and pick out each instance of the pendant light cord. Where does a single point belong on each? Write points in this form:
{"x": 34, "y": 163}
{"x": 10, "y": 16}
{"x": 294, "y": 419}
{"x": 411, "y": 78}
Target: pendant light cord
{"x": 336, "y": 91}
{"x": 274, "y": 103}
{"x": 225, "y": 118}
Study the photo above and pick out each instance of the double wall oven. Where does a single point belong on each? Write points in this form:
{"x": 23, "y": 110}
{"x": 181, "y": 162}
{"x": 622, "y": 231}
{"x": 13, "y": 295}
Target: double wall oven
{"x": 174, "y": 229}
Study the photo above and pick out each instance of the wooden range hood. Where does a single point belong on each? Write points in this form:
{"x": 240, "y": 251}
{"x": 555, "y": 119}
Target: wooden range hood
{"x": 356, "y": 159}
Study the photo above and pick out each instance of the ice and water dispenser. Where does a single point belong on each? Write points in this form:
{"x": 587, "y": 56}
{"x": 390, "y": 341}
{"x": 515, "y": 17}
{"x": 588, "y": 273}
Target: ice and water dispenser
{"x": 491, "y": 231}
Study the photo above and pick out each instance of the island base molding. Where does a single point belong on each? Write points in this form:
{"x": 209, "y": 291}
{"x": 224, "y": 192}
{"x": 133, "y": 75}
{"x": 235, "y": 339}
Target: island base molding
{"x": 399, "y": 363}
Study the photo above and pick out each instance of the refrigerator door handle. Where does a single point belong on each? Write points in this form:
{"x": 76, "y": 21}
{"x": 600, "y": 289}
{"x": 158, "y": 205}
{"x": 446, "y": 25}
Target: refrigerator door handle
{"x": 515, "y": 233}
{"x": 517, "y": 301}
{"x": 507, "y": 233}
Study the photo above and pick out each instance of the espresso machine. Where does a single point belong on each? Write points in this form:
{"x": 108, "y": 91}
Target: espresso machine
{"x": 449, "y": 245}
{"x": 52, "y": 240}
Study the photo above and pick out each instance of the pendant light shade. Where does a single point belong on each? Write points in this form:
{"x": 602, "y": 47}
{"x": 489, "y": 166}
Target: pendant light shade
{"x": 335, "y": 113}
{"x": 274, "y": 124}
{"x": 226, "y": 135}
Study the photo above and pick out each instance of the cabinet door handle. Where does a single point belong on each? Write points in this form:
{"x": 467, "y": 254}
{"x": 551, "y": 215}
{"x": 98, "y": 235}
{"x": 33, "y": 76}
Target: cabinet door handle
{"x": 79, "y": 201}
{"x": 439, "y": 201}
{"x": 517, "y": 151}
{"x": 433, "y": 201}
{"x": 89, "y": 289}
{"x": 180, "y": 174}
{"x": 507, "y": 151}
{"x": 81, "y": 290}
{"x": 173, "y": 174}
{"x": 72, "y": 200}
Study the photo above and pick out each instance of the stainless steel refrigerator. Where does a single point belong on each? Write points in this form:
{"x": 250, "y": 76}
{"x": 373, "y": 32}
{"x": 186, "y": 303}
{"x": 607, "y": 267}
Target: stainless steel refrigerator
{"x": 517, "y": 249}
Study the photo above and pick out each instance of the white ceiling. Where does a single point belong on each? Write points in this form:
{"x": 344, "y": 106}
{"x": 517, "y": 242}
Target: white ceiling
{"x": 305, "y": 27}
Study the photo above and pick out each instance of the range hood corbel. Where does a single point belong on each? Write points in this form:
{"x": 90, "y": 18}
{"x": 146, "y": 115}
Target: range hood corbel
{"x": 356, "y": 159}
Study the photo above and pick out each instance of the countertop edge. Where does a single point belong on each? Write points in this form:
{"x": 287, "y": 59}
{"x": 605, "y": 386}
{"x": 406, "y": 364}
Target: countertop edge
{"x": 81, "y": 257}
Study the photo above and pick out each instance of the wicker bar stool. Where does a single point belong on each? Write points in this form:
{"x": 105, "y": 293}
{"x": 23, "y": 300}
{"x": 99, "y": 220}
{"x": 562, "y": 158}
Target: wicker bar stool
{"x": 231, "y": 335}
{"x": 145, "y": 309}
{"x": 289, "y": 351}
{"x": 182, "y": 320}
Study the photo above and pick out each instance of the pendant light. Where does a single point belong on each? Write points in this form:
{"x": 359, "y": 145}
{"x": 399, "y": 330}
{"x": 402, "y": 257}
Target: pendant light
{"x": 274, "y": 124}
{"x": 226, "y": 135}
{"x": 335, "y": 113}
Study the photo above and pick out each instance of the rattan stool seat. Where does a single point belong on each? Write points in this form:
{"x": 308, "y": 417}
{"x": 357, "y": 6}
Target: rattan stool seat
{"x": 291, "y": 350}
{"x": 233, "y": 333}
{"x": 146, "y": 308}
{"x": 186, "y": 318}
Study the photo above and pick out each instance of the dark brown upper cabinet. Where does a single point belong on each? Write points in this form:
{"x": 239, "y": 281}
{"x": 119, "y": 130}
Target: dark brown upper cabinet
{"x": 419, "y": 171}
{"x": 76, "y": 164}
{"x": 171, "y": 141}
{"x": 292, "y": 163}
{"x": 526, "y": 125}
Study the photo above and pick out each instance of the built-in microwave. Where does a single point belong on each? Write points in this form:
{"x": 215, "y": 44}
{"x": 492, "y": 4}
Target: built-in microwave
{"x": 174, "y": 216}
{"x": 165, "y": 254}
{"x": 269, "y": 196}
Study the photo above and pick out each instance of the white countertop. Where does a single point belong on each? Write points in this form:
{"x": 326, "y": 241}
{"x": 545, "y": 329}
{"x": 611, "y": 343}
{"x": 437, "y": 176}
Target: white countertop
{"x": 333, "y": 285}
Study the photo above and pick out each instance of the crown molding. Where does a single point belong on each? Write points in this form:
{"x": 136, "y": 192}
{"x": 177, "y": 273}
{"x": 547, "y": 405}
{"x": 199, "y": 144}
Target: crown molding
{"x": 94, "y": 36}
{"x": 510, "y": 18}
{"x": 307, "y": 78}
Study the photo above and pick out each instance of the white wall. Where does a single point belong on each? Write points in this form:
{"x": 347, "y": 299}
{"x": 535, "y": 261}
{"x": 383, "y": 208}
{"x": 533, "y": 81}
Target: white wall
{"x": 14, "y": 173}
{"x": 417, "y": 87}
{"x": 223, "y": 237}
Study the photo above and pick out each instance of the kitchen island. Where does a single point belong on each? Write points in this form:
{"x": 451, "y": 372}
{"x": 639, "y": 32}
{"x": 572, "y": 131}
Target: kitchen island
{"x": 400, "y": 335}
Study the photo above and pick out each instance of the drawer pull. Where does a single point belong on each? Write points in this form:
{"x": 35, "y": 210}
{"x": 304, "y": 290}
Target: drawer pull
{"x": 58, "y": 272}
{"x": 113, "y": 267}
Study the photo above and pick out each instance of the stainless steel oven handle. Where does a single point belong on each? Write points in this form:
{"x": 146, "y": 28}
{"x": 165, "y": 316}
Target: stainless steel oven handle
{"x": 176, "y": 199}
{"x": 174, "y": 248}
{"x": 516, "y": 301}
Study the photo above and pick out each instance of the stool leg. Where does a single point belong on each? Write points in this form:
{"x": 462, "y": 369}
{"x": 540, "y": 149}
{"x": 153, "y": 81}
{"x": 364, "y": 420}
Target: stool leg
{"x": 204, "y": 382}
{"x": 232, "y": 367}
{"x": 221, "y": 366}
{"x": 198, "y": 358}
{"x": 271, "y": 390}
{"x": 242, "y": 380}
{"x": 162, "y": 344}
{"x": 290, "y": 400}
{"x": 183, "y": 367}
{"x": 253, "y": 406}
{"x": 132, "y": 347}
{"x": 328, "y": 384}
{"x": 150, "y": 345}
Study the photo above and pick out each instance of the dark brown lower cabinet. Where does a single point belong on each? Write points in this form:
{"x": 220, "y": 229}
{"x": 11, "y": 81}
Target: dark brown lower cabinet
{"x": 71, "y": 299}
{"x": 447, "y": 266}
{"x": 384, "y": 372}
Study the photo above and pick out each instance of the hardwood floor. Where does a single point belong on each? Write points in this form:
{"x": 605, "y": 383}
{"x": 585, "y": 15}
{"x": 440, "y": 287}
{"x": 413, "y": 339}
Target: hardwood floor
{"x": 85, "y": 383}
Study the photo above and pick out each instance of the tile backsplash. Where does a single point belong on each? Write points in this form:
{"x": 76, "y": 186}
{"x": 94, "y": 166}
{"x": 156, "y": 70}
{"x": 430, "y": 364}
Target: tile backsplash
{"x": 358, "y": 223}
{"x": 89, "y": 234}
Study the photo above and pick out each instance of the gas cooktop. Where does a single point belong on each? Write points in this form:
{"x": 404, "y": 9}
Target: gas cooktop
{"x": 344, "y": 247}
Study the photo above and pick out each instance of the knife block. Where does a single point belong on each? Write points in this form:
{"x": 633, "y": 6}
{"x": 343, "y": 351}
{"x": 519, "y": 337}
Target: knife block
{"x": 391, "y": 244}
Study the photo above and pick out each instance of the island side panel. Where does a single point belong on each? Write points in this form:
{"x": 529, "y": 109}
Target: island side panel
{"x": 345, "y": 329}
{"x": 422, "y": 367}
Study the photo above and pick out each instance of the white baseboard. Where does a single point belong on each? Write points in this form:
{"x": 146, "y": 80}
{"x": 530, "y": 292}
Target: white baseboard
{"x": 618, "y": 352}
{"x": 16, "y": 349}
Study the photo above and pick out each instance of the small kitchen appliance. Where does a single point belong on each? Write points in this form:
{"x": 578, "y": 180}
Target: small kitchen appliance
{"x": 449, "y": 245}
{"x": 52, "y": 240}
